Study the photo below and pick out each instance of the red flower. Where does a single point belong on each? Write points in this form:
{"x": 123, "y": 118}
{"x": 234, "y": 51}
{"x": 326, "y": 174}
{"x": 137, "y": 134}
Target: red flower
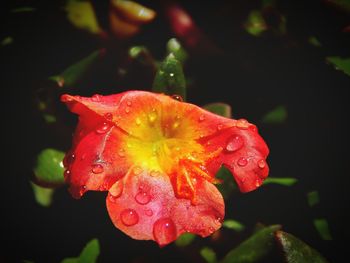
{"x": 158, "y": 158}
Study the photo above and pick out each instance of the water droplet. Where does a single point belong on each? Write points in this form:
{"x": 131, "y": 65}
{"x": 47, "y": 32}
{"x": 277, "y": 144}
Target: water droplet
{"x": 242, "y": 124}
{"x": 164, "y": 231}
{"x": 127, "y": 109}
{"x": 116, "y": 190}
{"x": 96, "y": 98}
{"x": 234, "y": 143}
{"x": 219, "y": 127}
{"x": 177, "y": 97}
{"x": 121, "y": 152}
{"x": 138, "y": 121}
{"x": 201, "y": 118}
{"x": 257, "y": 183}
{"x": 83, "y": 156}
{"x": 103, "y": 128}
{"x": 128, "y": 103}
{"x": 129, "y": 217}
{"x": 143, "y": 198}
{"x": 152, "y": 117}
{"x": 109, "y": 116}
{"x": 137, "y": 170}
{"x": 242, "y": 161}
{"x": 97, "y": 168}
{"x": 149, "y": 212}
{"x": 66, "y": 174}
{"x": 176, "y": 125}
{"x": 262, "y": 164}
{"x": 82, "y": 190}
{"x": 171, "y": 74}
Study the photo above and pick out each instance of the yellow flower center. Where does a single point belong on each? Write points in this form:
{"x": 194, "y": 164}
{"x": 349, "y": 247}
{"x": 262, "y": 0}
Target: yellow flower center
{"x": 163, "y": 143}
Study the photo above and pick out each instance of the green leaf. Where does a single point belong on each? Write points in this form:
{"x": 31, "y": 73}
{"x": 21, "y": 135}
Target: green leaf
{"x": 49, "y": 167}
{"x": 228, "y": 184}
{"x": 313, "y": 198}
{"x": 276, "y": 116}
{"x": 233, "y": 224}
{"x": 23, "y": 9}
{"x": 255, "y": 24}
{"x": 175, "y": 47}
{"x": 314, "y": 41}
{"x": 286, "y": 181}
{"x": 70, "y": 76}
{"x": 255, "y": 248}
{"x": 81, "y": 14}
{"x": 43, "y": 196}
{"x": 208, "y": 254}
{"x": 296, "y": 251}
{"x": 322, "y": 228}
{"x": 170, "y": 78}
{"x": 185, "y": 239}
{"x": 339, "y": 63}
{"x": 89, "y": 254}
{"x": 7, "y": 41}
{"x": 219, "y": 108}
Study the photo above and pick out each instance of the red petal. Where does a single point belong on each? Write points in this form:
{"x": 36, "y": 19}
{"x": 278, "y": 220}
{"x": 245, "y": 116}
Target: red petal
{"x": 96, "y": 160}
{"x": 243, "y": 152}
{"x": 145, "y": 207}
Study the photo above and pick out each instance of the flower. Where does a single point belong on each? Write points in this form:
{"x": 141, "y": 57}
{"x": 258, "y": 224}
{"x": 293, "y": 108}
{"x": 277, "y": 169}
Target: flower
{"x": 157, "y": 157}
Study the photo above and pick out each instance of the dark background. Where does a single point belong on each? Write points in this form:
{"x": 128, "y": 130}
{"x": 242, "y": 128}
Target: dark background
{"x": 253, "y": 75}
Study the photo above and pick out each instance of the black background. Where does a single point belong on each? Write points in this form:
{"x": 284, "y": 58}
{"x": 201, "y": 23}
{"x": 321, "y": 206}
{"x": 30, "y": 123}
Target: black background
{"x": 254, "y": 75}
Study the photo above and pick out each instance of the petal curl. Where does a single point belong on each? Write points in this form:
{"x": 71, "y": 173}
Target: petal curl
{"x": 244, "y": 153}
{"x": 96, "y": 160}
{"x": 144, "y": 206}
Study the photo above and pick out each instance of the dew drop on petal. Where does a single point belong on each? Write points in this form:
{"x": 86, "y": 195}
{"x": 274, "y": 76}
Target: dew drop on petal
{"x": 128, "y": 103}
{"x": 176, "y": 125}
{"x": 242, "y": 161}
{"x": 257, "y": 183}
{"x": 109, "y": 116}
{"x": 127, "y": 109}
{"x": 234, "y": 143}
{"x": 242, "y": 124}
{"x": 96, "y": 98}
{"x": 129, "y": 217}
{"x": 97, "y": 168}
{"x": 116, "y": 190}
{"x": 262, "y": 164}
{"x": 143, "y": 198}
{"x": 152, "y": 117}
{"x": 138, "y": 121}
{"x": 103, "y": 128}
{"x": 83, "y": 156}
{"x": 201, "y": 118}
{"x": 177, "y": 97}
{"x": 219, "y": 127}
{"x": 164, "y": 231}
{"x": 66, "y": 174}
{"x": 149, "y": 212}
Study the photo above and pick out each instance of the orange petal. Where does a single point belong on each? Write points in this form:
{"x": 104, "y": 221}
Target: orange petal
{"x": 144, "y": 206}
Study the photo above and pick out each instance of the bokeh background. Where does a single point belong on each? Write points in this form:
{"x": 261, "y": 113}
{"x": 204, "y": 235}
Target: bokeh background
{"x": 253, "y": 74}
